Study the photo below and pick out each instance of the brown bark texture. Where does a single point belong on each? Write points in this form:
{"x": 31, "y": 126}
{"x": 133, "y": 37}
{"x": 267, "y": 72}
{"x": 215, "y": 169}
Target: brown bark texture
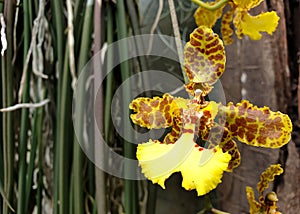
{"x": 260, "y": 71}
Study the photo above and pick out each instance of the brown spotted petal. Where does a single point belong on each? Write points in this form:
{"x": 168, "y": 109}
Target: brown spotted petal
{"x": 175, "y": 133}
{"x": 226, "y": 30}
{"x": 153, "y": 112}
{"x": 232, "y": 149}
{"x": 204, "y": 56}
{"x": 219, "y": 135}
{"x": 257, "y": 126}
{"x": 266, "y": 177}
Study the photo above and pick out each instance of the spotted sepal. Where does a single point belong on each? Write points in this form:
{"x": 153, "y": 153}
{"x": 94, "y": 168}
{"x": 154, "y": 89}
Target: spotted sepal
{"x": 266, "y": 177}
{"x": 153, "y": 112}
{"x": 257, "y": 126}
{"x": 204, "y": 56}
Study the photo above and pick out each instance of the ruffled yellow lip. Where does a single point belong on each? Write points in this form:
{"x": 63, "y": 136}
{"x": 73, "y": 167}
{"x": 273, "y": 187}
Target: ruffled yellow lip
{"x": 201, "y": 169}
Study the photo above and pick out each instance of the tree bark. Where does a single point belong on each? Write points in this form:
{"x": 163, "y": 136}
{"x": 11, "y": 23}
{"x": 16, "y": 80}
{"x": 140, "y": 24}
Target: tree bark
{"x": 259, "y": 72}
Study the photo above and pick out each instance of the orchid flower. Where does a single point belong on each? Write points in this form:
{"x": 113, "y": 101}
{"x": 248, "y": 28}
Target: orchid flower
{"x": 267, "y": 204}
{"x": 195, "y": 119}
{"x": 245, "y": 24}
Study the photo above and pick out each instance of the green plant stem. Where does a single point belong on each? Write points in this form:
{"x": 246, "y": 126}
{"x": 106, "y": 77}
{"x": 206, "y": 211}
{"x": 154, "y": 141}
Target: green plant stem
{"x": 216, "y": 211}
{"x": 78, "y": 23}
{"x": 24, "y": 116}
{"x": 23, "y": 149}
{"x": 178, "y": 40}
{"x": 1, "y": 165}
{"x": 30, "y": 14}
{"x": 59, "y": 30}
{"x": 40, "y": 160}
{"x": 100, "y": 177}
{"x": 36, "y": 5}
{"x": 134, "y": 20}
{"x": 109, "y": 80}
{"x": 152, "y": 190}
{"x": 7, "y": 93}
{"x": 65, "y": 138}
{"x": 71, "y": 205}
{"x": 211, "y": 7}
{"x": 37, "y": 128}
{"x": 5, "y": 198}
{"x": 59, "y": 45}
{"x": 151, "y": 201}
{"x": 59, "y": 192}
{"x": 130, "y": 187}
{"x": 5, "y": 131}
{"x": 1, "y": 126}
{"x": 59, "y": 26}
{"x": 86, "y": 40}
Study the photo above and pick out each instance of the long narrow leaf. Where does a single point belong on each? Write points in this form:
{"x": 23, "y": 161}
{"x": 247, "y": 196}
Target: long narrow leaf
{"x": 86, "y": 40}
{"x": 130, "y": 188}
{"x": 7, "y": 99}
{"x": 5, "y": 198}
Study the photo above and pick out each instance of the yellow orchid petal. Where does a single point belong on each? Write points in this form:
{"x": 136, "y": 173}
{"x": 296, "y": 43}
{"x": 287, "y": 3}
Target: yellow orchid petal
{"x": 247, "y": 4}
{"x": 156, "y": 171}
{"x": 255, "y": 207}
{"x": 226, "y": 30}
{"x": 204, "y": 56}
{"x": 266, "y": 177}
{"x": 153, "y": 112}
{"x": 158, "y": 161}
{"x": 201, "y": 169}
{"x": 264, "y": 22}
{"x": 257, "y": 126}
{"x": 207, "y": 17}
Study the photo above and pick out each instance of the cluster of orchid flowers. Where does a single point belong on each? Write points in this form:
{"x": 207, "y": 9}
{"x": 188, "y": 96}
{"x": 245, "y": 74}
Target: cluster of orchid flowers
{"x": 195, "y": 119}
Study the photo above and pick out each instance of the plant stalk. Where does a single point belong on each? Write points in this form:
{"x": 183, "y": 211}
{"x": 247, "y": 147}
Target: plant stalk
{"x": 86, "y": 41}
{"x": 130, "y": 187}
{"x": 7, "y": 98}
{"x": 211, "y": 7}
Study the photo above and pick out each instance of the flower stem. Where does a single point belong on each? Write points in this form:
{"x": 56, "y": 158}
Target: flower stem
{"x": 214, "y": 210}
{"x": 178, "y": 40}
{"x": 215, "y": 6}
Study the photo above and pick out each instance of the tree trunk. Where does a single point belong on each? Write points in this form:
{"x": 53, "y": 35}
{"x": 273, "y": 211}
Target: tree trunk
{"x": 259, "y": 71}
